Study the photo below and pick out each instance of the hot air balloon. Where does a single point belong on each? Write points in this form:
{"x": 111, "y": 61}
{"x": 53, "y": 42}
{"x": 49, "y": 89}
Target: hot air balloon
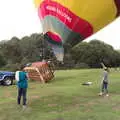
{"x": 71, "y": 21}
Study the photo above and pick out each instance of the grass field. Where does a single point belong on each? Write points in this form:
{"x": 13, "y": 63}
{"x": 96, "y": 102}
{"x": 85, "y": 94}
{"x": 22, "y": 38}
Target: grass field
{"x": 65, "y": 98}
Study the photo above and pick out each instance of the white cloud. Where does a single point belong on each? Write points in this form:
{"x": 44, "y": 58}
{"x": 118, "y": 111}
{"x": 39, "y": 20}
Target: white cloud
{"x": 110, "y": 34}
{"x": 18, "y": 18}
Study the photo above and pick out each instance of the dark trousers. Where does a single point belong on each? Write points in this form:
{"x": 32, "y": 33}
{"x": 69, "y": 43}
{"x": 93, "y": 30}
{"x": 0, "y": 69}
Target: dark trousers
{"x": 105, "y": 87}
{"x": 22, "y": 92}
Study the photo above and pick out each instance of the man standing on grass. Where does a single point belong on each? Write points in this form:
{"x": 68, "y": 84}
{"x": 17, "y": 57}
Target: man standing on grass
{"x": 105, "y": 80}
{"x": 22, "y": 84}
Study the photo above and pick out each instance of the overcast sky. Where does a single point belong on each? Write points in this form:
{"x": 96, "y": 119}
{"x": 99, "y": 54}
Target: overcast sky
{"x": 19, "y": 18}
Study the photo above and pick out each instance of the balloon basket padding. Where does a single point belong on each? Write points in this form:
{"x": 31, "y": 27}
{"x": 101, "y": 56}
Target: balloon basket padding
{"x": 40, "y": 71}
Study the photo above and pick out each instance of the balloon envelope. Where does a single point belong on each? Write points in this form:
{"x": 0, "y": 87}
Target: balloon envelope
{"x": 71, "y": 21}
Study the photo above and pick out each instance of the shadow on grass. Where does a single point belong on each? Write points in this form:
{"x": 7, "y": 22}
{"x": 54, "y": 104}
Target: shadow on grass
{"x": 60, "y": 79}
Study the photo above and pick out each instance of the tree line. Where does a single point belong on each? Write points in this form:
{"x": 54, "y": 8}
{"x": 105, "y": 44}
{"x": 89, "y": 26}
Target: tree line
{"x": 28, "y": 49}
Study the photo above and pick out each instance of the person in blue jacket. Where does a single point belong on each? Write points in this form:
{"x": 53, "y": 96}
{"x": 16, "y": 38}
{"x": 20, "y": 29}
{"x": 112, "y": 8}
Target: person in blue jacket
{"x": 22, "y": 84}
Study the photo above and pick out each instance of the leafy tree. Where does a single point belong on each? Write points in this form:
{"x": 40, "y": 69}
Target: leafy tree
{"x": 2, "y": 61}
{"x": 95, "y": 52}
{"x": 35, "y": 47}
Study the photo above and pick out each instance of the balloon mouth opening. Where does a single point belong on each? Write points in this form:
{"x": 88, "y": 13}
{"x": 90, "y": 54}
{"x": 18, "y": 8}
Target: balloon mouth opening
{"x": 55, "y": 37}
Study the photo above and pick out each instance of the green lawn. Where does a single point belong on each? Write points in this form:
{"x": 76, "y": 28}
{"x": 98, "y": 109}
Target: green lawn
{"x": 65, "y": 98}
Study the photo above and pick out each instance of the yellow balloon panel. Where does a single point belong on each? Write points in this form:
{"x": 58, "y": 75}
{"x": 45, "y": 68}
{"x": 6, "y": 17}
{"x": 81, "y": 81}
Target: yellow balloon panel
{"x": 97, "y": 12}
{"x": 37, "y": 2}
